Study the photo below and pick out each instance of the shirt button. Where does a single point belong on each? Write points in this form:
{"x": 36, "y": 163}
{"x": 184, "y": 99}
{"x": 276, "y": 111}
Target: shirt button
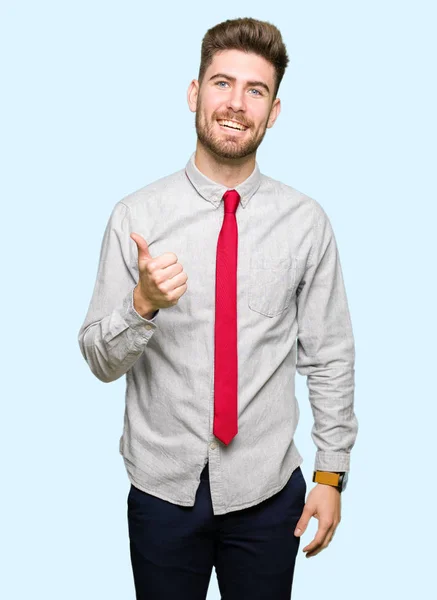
{"x": 148, "y": 327}
{"x": 213, "y": 445}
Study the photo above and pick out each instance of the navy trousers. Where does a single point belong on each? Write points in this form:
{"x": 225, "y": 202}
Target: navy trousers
{"x": 174, "y": 548}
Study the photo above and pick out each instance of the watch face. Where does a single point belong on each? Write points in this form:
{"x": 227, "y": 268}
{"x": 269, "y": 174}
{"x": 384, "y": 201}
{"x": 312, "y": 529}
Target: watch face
{"x": 344, "y": 483}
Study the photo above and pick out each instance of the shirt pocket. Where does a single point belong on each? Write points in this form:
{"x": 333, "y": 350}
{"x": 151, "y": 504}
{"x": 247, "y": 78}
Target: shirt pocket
{"x": 272, "y": 281}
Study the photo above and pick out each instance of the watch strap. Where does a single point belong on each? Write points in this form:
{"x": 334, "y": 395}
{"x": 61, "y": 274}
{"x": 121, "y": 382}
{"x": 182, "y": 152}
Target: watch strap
{"x": 327, "y": 477}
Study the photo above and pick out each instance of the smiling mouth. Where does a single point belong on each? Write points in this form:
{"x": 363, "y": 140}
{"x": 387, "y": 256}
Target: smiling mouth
{"x": 231, "y": 126}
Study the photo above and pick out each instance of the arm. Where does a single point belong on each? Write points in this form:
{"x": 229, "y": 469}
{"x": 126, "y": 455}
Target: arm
{"x": 113, "y": 334}
{"x": 326, "y": 351}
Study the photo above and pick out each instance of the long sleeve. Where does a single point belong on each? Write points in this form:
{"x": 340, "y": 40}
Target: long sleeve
{"x": 114, "y": 335}
{"x": 326, "y": 350}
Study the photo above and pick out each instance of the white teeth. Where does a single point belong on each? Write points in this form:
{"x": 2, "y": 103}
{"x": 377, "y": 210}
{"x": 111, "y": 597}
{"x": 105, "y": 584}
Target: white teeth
{"x": 233, "y": 125}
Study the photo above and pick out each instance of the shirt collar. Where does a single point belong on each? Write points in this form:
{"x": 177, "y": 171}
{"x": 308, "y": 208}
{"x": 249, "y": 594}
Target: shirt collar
{"x": 213, "y": 191}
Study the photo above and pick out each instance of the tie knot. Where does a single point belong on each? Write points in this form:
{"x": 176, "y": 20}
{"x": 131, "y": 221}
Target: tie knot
{"x": 231, "y": 198}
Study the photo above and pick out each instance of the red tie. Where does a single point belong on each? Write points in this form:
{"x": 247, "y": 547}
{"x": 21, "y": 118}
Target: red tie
{"x": 225, "y": 349}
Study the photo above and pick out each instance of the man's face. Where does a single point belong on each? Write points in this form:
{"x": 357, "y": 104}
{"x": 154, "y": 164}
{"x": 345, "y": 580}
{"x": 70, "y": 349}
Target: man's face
{"x": 232, "y": 89}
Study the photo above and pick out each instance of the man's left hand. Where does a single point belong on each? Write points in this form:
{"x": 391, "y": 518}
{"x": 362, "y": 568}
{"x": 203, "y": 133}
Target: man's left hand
{"x": 323, "y": 503}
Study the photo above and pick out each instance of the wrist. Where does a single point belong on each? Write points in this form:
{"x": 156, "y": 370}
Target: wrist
{"x": 143, "y": 306}
{"x": 337, "y": 479}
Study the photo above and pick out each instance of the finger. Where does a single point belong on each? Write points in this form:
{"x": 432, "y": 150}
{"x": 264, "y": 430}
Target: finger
{"x": 143, "y": 247}
{"x": 324, "y": 544}
{"x": 317, "y": 550}
{"x": 319, "y": 538}
{"x": 302, "y": 524}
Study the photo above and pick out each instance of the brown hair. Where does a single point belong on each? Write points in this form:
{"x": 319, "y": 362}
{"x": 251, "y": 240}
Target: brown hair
{"x": 248, "y": 35}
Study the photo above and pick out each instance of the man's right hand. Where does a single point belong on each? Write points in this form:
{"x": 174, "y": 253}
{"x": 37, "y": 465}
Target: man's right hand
{"x": 162, "y": 280}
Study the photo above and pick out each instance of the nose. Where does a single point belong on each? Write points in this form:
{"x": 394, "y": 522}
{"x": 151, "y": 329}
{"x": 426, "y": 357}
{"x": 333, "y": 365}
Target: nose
{"x": 236, "y": 99}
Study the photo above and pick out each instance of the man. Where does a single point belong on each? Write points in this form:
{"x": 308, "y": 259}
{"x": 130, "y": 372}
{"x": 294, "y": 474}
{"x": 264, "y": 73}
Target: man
{"x": 214, "y": 285}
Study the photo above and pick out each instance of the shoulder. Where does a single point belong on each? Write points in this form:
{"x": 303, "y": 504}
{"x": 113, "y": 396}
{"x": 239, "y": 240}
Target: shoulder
{"x": 153, "y": 192}
{"x": 294, "y": 197}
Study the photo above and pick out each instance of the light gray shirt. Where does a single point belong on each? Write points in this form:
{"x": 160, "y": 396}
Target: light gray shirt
{"x": 292, "y": 314}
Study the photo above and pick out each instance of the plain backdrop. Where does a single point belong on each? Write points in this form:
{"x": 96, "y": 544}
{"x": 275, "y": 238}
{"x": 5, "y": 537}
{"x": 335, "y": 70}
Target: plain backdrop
{"x": 93, "y": 107}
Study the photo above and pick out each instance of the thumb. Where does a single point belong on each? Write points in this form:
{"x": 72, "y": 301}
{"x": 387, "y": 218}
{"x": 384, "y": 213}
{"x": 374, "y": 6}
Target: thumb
{"x": 303, "y": 522}
{"x": 143, "y": 248}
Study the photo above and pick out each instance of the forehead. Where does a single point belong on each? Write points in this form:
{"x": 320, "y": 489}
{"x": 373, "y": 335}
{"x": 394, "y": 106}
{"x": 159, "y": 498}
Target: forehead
{"x": 242, "y": 65}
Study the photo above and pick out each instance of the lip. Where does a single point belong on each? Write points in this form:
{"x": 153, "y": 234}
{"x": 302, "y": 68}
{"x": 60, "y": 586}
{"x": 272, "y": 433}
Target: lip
{"x": 232, "y": 131}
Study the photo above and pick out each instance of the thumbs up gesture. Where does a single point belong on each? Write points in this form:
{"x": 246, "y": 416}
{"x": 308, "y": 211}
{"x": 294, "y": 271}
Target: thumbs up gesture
{"x": 162, "y": 280}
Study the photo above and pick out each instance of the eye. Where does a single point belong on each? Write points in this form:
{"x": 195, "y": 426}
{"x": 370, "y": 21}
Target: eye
{"x": 218, "y": 82}
{"x": 257, "y": 91}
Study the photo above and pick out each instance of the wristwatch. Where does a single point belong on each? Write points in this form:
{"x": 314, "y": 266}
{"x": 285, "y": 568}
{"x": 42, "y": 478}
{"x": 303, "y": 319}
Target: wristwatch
{"x": 337, "y": 479}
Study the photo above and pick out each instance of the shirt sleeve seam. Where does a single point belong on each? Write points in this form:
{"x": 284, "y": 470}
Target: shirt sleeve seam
{"x": 313, "y": 237}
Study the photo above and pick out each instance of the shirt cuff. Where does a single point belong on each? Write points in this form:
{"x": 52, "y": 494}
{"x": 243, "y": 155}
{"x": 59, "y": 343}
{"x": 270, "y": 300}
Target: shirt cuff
{"x": 134, "y": 320}
{"x": 332, "y": 461}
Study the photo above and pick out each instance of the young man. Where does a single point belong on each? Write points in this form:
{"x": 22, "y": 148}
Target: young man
{"x": 214, "y": 285}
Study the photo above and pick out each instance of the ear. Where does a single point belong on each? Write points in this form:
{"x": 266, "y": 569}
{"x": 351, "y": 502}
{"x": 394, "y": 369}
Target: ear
{"x": 192, "y": 95}
{"x": 274, "y": 112}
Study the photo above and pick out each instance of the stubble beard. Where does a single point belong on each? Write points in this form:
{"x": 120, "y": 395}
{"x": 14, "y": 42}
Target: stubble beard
{"x": 225, "y": 146}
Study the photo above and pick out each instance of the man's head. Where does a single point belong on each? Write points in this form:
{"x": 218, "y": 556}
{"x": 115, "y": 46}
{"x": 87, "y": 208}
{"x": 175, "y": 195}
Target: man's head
{"x": 242, "y": 65}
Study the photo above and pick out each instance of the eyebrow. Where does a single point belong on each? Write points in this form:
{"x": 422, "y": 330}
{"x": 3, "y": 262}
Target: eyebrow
{"x": 253, "y": 83}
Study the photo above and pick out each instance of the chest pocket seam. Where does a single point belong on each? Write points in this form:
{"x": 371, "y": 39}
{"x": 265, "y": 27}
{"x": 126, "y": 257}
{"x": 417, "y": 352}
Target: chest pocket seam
{"x": 271, "y": 284}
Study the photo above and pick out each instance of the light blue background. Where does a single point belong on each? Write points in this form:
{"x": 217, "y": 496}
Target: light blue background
{"x": 93, "y": 107}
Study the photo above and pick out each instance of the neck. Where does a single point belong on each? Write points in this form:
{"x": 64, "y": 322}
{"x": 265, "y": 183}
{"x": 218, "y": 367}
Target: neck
{"x": 226, "y": 171}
